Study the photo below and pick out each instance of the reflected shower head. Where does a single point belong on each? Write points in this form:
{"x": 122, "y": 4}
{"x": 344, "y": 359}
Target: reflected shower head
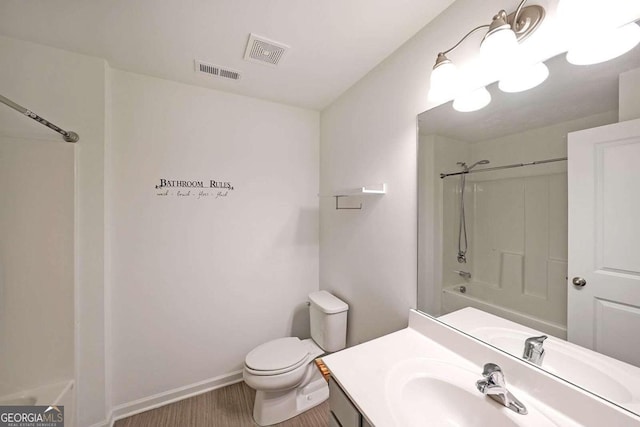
{"x": 480, "y": 162}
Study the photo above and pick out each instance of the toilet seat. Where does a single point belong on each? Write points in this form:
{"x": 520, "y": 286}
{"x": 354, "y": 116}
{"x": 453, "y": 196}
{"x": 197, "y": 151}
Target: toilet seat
{"x": 277, "y": 357}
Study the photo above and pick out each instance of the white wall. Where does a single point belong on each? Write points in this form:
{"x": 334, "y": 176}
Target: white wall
{"x": 197, "y": 283}
{"x": 69, "y": 90}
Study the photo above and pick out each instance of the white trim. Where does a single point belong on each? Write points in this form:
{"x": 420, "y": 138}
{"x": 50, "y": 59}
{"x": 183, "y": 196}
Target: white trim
{"x": 107, "y": 239}
{"x": 76, "y": 287}
{"x": 146, "y": 403}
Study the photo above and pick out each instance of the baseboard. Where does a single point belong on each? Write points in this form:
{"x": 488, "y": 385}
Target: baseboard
{"x": 146, "y": 403}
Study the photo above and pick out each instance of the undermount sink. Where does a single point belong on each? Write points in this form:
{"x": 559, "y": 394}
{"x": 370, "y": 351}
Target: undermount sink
{"x": 570, "y": 362}
{"x": 432, "y": 392}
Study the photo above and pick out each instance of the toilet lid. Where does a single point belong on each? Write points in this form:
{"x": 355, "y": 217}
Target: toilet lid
{"x": 277, "y": 355}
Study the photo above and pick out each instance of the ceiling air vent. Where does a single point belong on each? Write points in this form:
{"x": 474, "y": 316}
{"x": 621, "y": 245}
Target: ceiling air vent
{"x": 216, "y": 71}
{"x": 264, "y": 51}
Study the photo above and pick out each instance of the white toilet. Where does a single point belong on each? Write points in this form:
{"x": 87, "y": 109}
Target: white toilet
{"x": 282, "y": 371}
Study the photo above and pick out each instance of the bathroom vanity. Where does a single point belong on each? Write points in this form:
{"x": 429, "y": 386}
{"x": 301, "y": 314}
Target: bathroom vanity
{"x": 344, "y": 413}
{"x": 427, "y": 374}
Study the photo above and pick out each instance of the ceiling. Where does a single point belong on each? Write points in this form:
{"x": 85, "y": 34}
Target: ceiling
{"x": 333, "y": 43}
{"x": 570, "y": 92}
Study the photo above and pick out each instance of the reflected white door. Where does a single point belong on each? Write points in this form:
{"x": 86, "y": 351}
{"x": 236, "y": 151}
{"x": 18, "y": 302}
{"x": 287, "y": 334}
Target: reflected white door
{"x": 604, "y": 240}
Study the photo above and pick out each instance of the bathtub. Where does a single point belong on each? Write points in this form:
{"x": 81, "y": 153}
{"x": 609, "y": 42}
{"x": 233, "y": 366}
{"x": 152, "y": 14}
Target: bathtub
{"x": 60, "y": 394}
{"x": 453, "y": 299}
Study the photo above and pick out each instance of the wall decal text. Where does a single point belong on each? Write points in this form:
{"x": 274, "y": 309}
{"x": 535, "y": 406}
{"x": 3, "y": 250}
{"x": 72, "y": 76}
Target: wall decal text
{"x": 197, "y": 189}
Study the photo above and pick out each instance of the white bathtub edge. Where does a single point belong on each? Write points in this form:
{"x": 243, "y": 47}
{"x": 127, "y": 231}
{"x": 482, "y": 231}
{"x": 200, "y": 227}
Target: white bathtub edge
{"x": 452, "y": 300}
{"x": 60, "y": 393}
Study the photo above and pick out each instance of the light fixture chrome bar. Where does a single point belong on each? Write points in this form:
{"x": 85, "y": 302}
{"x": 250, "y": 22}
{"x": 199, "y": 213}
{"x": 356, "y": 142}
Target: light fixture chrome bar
{"x": 524, "y": 21}
{"x": 515, "y": 165}
{"x": 68, "y": 136}
{"x": 444, "y": 52}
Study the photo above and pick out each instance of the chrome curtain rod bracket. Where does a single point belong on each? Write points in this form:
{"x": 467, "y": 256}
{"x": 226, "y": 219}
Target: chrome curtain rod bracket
{"x": 515, "y": 165}
{"x": 68, "y": 136}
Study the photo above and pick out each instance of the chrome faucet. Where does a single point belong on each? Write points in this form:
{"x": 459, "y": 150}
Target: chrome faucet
{"x": 494, "y": 386}
{"x": 533, "y": 351}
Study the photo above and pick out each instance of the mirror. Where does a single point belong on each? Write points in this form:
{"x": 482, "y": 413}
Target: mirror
{"x": 495, "y": 238}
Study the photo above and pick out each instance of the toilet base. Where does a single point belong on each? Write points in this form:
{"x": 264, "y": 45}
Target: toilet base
{"x": 275, "y": 407}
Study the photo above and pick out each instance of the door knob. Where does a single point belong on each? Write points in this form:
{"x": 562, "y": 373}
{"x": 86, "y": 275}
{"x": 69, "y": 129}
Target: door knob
{"x": 579, "y": 281}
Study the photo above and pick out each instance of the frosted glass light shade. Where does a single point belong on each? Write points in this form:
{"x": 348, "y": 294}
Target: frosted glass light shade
{"x": 499, "y": 45}
{"x": 606, "y": 46}
{"x": 582, "y": 16}
{"x": 524, "y": 78}
{"x": 472, "y": 101}
{"x": 444, "y": 76}
{"x": 444, "y": 82}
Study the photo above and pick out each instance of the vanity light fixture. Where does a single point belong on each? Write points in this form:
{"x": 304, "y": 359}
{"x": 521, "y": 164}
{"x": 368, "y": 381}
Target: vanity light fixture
{"x": 524, "y": 78}
{"x": 472, "y": 101}
{"x": 500, "y": 41}
{"x": 497, "y": 47}
{"x": 605, "y": 45}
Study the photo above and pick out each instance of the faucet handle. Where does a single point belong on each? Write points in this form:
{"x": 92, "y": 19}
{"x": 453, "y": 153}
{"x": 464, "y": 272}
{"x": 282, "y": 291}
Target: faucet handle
{"x": 493, "y": 374}
{"x": 490, "y": 368}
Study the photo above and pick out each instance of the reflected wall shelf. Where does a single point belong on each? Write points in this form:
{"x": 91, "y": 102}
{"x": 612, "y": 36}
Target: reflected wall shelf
{"x": 371, "y": 190}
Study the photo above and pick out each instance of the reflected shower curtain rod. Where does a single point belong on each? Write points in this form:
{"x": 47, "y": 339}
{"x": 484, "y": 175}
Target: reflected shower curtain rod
{"x": 68, "y": 136}
{"x": 515, "y": 165}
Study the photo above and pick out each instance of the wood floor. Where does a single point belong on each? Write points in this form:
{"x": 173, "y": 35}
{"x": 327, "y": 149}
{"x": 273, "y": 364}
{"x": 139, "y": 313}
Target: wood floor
{"x": 230, "y": 406}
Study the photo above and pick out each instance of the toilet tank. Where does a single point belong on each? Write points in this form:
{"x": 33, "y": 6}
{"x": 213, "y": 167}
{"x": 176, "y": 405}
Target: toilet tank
{"x": 328, "y": 319}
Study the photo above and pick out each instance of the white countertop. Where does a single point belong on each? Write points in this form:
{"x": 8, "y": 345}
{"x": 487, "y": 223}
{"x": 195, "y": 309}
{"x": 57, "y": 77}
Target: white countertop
{"x": 364, "y": 372}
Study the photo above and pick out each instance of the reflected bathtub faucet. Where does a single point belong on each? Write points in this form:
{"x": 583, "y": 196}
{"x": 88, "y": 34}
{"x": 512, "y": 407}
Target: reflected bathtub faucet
{"x": 533, "y": 351}
{"x": 464, "y": 274}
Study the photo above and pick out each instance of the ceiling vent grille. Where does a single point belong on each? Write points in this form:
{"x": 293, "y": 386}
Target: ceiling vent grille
{"x": 264, "y": 51}
{"x": 216, "y": 71}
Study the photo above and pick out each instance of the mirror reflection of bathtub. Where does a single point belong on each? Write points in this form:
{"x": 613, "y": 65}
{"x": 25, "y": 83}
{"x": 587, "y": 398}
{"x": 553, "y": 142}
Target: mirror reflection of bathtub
{"x": 478, "y": 295}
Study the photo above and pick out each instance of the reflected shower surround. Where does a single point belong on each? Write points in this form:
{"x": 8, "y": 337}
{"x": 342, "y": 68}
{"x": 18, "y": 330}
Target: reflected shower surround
{"x": 515, "y": 265}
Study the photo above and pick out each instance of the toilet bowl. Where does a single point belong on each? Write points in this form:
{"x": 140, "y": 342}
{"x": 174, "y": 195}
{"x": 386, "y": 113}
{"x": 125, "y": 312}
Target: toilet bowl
{"x": 280, "y": 364}
{"x": 283, "y": 372}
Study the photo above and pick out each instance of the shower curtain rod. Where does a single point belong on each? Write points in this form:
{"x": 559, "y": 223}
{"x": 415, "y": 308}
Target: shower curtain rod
{"x": 67, "y": 135}
{"x": 515, "y": 165}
